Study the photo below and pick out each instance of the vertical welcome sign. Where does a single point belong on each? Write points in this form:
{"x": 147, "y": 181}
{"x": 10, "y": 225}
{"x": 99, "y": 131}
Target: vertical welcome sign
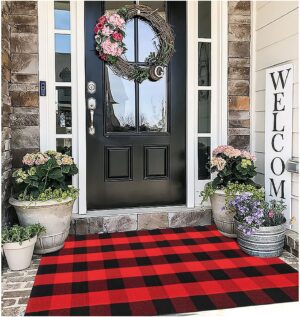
{"x": 278, "y": 133}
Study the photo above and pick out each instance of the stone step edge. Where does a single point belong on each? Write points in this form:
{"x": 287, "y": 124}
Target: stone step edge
{"x": 87, "y": 224}
{"x": 292, "y": 242}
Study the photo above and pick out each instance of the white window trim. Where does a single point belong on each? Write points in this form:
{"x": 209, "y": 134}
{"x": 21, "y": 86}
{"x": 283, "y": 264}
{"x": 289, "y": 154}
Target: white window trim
{"x": 219, "y": 88}
{"x": 48, "y": 134}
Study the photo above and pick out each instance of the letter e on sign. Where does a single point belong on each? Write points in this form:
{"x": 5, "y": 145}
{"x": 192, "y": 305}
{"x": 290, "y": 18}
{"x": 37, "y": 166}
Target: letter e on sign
{"x": 278, "y": 133}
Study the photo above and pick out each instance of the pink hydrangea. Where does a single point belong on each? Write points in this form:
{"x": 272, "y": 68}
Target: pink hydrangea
{"x": 218, "y": 162}
{"x": 227, "y": 150}
{"x": 41, "y": 159}
{"x": 247, "y": 155}
{"x": 220, "y": 149}
{"x": 29, "y": 159}
{"x": 107, "y": 31}
{"x": 110, "y": 48}
{"x": 116, "y": 21}
{"x": 232, "y": 152}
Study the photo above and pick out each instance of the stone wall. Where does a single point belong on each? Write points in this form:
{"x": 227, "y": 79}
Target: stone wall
{"x": 24, "y": 79}
{"x": 239, "y": 19}
{"x": 6, "y": 110}
{"x": 20, "y": 100}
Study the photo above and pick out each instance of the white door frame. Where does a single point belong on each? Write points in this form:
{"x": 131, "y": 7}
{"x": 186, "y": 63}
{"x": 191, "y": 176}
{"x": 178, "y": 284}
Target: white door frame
{"x": 219, "y": 90}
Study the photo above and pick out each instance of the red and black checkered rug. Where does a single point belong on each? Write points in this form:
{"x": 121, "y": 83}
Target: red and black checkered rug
{"x": 156, "y": 272}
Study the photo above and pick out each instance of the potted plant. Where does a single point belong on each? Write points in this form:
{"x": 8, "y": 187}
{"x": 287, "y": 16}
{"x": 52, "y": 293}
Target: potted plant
{"x": 234, "y": 169}
{"x": 260, "y": 225}
{"x": 42, "y": 195}
{"x": 18, "y": 244}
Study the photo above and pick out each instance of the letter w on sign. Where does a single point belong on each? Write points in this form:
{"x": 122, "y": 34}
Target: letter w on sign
{"x": 278, "y": 133}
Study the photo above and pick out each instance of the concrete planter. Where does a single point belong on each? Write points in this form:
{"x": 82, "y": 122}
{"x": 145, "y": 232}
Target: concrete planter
{"x": 18, "y": 255}
{"x": 53, "y": 215}
{"x": 264, "y": 242}
{"x": 223, "y": 219}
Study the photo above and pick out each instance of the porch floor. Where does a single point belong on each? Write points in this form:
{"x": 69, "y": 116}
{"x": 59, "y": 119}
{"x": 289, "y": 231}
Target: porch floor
{"x": 16, "y": 286}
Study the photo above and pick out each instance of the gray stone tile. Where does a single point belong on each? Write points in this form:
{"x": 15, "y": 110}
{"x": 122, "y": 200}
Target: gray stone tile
{"x": 81, "y": 226}
{"x": 95, "y": 225}
{"x": 120, "y": 223}
{"x": 190, "y": 218}
{"x": 153, "y": 221}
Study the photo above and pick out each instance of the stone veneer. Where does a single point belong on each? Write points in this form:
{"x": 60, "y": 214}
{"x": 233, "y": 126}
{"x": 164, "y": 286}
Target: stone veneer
{"x": 20, "y": 99}
{"x": 24, "y": 79}
{"x": 239, "y": 19}
{"x": 184, "y": 217}
{"x": 6, "y": 110}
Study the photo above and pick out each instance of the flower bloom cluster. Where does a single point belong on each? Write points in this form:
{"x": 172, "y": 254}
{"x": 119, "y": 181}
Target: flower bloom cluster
{"x": 249, "y": 212}
{"x": 63, "y": 159}
{"x": 218, "y": 162}
{"x": 231, "y": 152}
{"x": 35, "y": 159}
{"x": 245, "y": 163}
{"x": 109, "y": 34}
{"x": 31, "y": 159}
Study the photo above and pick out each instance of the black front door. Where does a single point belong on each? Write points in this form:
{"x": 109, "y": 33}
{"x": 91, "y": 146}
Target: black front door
{"x": 137, "y": 155}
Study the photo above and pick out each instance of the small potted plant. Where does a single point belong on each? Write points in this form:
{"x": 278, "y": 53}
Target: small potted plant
{"x": 260, "y": 225}
{"x": 42, "y": 194}
{"x": 18, "y": 244}
{"x": 234, "y": 172}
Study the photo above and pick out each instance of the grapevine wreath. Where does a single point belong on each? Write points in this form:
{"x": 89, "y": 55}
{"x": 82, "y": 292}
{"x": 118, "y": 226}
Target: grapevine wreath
{"x": 109, "y": 35}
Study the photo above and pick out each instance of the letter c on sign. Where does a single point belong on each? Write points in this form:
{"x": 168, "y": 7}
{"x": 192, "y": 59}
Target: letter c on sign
{"x": 273, "y": 142}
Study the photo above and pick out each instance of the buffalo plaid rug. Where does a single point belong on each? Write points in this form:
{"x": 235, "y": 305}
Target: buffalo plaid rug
{"x": 156, "y": 272}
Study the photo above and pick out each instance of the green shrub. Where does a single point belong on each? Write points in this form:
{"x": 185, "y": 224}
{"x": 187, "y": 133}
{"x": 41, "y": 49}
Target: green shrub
{"x": 232, "y": 189}
{"x": 19, "y": 234}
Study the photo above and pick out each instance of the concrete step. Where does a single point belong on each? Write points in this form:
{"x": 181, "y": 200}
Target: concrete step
{"x": 118, "y": 220}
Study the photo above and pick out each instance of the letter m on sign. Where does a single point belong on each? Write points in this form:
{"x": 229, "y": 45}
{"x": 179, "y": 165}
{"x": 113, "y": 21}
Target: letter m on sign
{"x": 278, "y": 133}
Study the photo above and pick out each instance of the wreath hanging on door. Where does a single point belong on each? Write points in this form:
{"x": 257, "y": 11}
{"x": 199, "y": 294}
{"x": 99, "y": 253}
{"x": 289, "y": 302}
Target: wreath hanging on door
{"x": 109, "y": 36}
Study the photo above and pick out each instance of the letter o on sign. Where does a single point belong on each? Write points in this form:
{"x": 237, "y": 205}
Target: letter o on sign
{"x": 276, "y": 165}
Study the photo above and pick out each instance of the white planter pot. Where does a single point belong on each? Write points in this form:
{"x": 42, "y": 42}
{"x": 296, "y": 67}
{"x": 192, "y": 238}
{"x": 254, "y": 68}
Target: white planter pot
{"x": 53, "y": 215}
{"x": 223, "y": 219}
{"x": 18, "y": 255}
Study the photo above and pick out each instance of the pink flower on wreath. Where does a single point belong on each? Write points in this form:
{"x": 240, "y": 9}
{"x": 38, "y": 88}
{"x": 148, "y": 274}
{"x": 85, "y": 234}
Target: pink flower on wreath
{"x": 110, "y": 48}
{"x": 103, "y": 56}
{"x": 107, "y": 31}
{"x": 98, "y": 27}
{"x": 117, "y": 36}
{"x": 116, "y": 21}
{"x": 102, "y": 19}
{"x": 271, "y": 214}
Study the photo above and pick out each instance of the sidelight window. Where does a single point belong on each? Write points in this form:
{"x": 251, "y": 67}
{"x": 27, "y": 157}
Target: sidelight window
{"x": 204, "y": 88}
{"x": 63, "y": 89}
{"x": 130, "y": 106}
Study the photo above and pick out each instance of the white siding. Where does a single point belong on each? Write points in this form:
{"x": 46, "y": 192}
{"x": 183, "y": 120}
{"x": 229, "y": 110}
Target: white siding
{"x": 276, "y": 42}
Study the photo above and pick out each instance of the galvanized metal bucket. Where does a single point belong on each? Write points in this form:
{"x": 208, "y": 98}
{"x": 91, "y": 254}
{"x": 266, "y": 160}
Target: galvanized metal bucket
{"x": 264, "y": 242}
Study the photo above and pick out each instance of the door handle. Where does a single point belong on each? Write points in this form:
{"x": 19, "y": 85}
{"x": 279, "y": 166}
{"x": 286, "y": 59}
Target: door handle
{"x": 92, "y": 107}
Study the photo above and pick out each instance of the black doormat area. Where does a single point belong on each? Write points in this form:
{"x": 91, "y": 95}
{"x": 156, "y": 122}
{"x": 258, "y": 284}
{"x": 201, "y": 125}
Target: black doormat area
{"x": 155, "y": 272}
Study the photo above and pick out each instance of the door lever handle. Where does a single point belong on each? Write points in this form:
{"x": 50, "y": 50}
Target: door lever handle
{"x": 92, "y": 107}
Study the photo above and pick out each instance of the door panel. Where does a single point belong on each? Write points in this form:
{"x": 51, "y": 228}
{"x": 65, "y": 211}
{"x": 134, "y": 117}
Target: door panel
{"x": 137, "y": 155}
